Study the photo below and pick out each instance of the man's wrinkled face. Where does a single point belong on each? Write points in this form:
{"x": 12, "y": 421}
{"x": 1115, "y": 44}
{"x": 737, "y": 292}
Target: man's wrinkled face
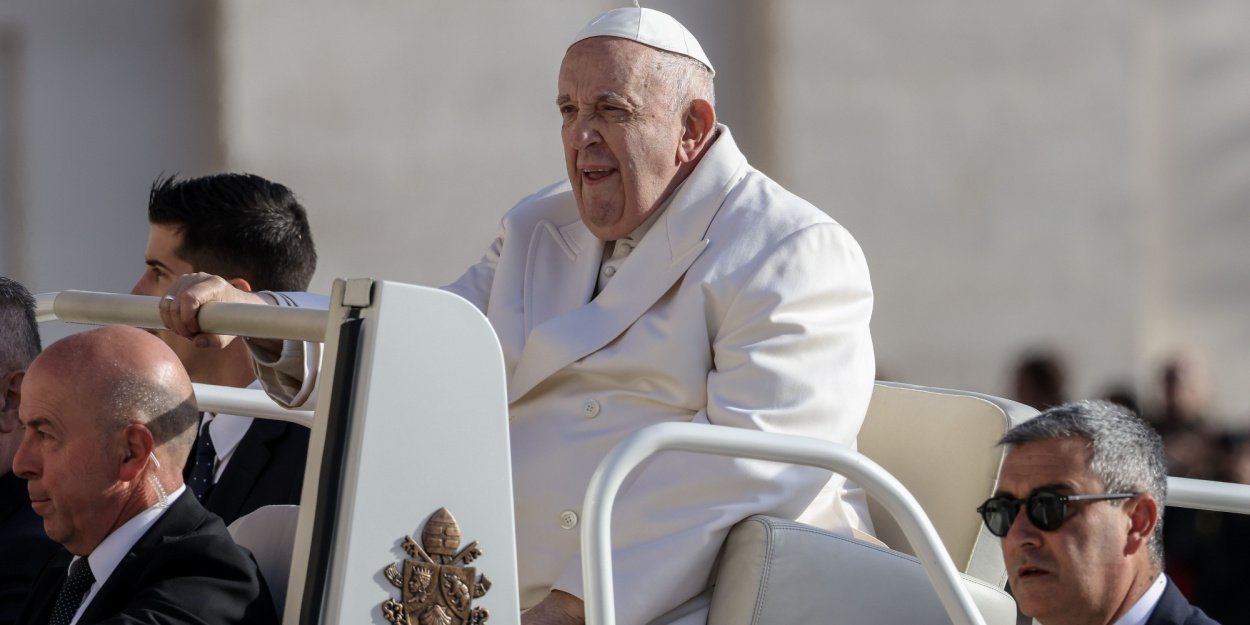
{"x": 620, "y": 133}
{"x": 163, "y": 267}
{"x": 1080, "y": 570}
{"x": 71, "y": 467}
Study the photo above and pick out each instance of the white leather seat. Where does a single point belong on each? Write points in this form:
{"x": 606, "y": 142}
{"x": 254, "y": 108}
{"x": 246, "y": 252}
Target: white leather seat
{"x": 269, "y": 533}
{"x": 940, "y": 444}
{"x": 775, "y": 571}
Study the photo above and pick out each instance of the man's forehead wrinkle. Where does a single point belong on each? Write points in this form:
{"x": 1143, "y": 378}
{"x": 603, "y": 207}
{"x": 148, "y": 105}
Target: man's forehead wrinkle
{"x": 603, "y": 97}
{"x": 615, "y": 98}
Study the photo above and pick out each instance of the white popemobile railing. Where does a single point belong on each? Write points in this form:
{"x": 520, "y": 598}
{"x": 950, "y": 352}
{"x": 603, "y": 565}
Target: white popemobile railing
{"x": 726, "y": 441}
{"x": 141, "y": 312}
{"x": 1185, "y": 492}
{"x": 393, "y": 393}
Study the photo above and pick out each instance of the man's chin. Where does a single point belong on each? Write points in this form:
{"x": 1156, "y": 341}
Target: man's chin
{"x": 601, "y": 222}
{"x": 1034, "y": 601}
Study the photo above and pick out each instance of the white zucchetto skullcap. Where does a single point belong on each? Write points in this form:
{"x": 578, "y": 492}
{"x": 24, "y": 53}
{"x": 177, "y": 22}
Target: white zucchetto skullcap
{"x": 646, "y": 26}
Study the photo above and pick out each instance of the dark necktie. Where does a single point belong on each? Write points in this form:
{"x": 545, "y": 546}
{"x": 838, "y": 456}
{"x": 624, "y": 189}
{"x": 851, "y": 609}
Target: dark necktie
{"x": 202, "y": 471}
{"x": 76, "y": 585}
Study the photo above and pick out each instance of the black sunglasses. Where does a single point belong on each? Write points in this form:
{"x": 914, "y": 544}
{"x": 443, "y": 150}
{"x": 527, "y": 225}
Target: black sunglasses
{"x": 1046, "y": 509}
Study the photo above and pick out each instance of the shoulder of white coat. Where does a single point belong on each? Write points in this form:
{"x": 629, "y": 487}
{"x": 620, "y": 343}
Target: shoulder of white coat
{"x": 759, "y": 208}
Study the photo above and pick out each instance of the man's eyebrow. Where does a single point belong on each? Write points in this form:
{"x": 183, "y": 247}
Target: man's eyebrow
{"x": 156, "y": 264}
{"x": 35, "y": 422}
{"x": 610, "y": 96}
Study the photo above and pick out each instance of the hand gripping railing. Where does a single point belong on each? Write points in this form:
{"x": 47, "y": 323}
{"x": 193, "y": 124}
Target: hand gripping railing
{"x": 142, "y": 311}
{"x": 252, "y": 320}
{"x": 727, "y": 441}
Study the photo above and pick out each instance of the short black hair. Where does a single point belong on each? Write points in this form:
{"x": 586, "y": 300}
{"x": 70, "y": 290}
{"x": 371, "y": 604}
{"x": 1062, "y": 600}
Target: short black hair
{"x": 238, "y": 226}
{"x": 19, "y": 332}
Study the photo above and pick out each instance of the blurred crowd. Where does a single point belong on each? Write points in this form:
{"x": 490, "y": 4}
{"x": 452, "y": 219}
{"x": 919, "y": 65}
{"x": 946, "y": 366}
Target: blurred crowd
{"x": 1203, "y": 550}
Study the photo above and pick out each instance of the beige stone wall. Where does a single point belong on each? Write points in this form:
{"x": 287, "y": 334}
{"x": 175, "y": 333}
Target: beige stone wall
{"x": 408, "y": 127}
{"x": 1059, "y": 173}
{"x": 96, "y": 100}
{"x": 983, "y": 157}
{"x": 1019, "y": 175}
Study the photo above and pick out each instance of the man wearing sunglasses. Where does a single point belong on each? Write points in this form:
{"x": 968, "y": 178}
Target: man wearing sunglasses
{"x": 1079, "y": 508}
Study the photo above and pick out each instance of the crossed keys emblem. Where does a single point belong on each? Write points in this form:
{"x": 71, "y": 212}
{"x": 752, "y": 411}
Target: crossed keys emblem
{"x": 437, "y": 588}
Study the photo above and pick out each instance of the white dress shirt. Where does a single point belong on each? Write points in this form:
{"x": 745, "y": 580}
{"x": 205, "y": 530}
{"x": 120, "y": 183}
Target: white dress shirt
{"x": 1140, "y": 612}
{"x": 109, "y": 553}
{"x": 226, "y": 431}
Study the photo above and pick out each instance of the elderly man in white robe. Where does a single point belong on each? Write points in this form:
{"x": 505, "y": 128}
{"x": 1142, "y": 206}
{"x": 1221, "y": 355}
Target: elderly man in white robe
{"x": 665, "y": 281}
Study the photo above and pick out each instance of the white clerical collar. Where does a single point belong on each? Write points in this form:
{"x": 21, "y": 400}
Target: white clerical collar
{"x": 103, "y": 560}
{"x": 1140, "y": 612}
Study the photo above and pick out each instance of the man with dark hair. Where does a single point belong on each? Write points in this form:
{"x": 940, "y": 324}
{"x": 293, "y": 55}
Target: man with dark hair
{"x": 1087, "y": 546}
{"x": 107, "y": 418}
{"x": 238, "y": 225}
{"x": 24, "y": 548}
{"x": 256, "y": 235}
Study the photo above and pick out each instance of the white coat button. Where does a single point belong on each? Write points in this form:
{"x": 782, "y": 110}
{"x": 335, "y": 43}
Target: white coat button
{"x": 568, "y": 519}
{"x": 609, "y": 271}
{"x": 591, "y": 409}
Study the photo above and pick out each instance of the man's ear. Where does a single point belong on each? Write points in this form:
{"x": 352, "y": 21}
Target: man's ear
{"x": 698, "y": 126}
{"x": 138, "y": 443}
{"x": 1143, "y": 515}
{"x": 10, "y": 398}
{"x": 240, "y": 284}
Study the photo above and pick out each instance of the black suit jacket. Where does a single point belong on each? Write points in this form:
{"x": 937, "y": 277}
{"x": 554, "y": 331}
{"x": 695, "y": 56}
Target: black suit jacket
{"x": 185, "y": 570}
{"x": 267, "y": 469}
{"x": 1174, "y": 609}
{"x": 24, "y": 548}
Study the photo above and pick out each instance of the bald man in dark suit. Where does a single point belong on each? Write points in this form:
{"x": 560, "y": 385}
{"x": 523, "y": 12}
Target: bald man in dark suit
{"x": 108, "y": 417}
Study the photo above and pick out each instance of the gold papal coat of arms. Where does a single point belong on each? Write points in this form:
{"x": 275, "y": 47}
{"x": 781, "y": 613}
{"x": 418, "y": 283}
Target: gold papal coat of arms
{"x": 437, "y": 588}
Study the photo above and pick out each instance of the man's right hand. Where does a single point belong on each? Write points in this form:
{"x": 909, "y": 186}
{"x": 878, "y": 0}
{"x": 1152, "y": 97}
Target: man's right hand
{"x": 180, "y": 307}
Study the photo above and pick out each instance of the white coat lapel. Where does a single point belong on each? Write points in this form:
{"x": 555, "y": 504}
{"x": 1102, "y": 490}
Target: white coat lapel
{"x": 562, "y": 266}
{"x": 663, "y": 256}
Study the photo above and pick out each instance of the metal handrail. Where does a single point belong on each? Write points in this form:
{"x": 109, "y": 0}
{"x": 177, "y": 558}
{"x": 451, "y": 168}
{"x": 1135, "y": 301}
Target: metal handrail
{"x": 247, "y": 402}
{"x": 1186, "y": 492}
{"x": 727, "y": 441}
{"x": 142, "y": 311}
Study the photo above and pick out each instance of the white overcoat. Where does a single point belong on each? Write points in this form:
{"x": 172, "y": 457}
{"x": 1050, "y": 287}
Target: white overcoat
{"x": 743, "y": 305}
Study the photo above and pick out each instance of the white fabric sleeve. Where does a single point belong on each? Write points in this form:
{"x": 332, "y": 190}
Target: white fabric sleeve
{"x": 291, "y": 378}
